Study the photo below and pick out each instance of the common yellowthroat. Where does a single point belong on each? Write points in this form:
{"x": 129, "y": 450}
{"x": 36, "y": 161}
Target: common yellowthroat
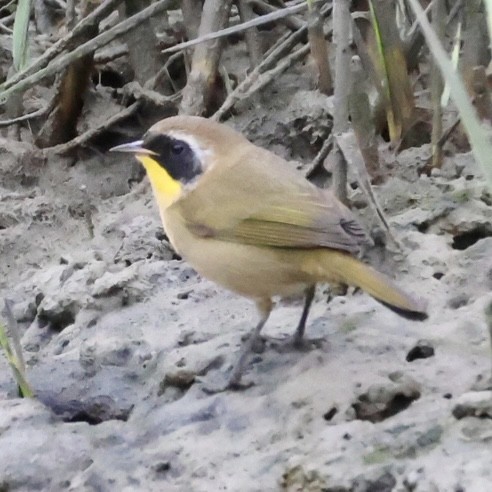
{"x": 242, "y": 218}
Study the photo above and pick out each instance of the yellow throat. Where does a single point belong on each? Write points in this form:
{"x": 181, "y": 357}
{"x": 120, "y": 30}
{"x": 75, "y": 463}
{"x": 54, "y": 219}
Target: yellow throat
{"x": 166, "y": 189}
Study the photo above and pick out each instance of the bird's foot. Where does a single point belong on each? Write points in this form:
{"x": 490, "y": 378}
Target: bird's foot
{"x": 213, "y": 388}
{"x": 295, "y": 343}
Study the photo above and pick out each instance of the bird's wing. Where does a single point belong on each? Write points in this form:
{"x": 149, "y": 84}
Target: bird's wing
{"x": 268, "y": 205}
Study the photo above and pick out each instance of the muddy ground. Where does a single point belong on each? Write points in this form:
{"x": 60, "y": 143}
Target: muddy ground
{"x": 118, "y": 334}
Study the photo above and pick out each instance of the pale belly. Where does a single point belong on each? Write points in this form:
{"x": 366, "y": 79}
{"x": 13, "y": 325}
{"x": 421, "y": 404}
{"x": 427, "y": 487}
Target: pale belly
{"x": 251, "y": 271}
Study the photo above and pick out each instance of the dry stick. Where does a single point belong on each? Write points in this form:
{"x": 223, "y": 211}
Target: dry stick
{"x": 341, "y": 30}
{"x": 274, "y": 55}
{"x": 267, "y": 77}
{"x": 251, "y": 35}
{"x": 92, "y": 19}
{"x": 101, "y": 40}
{"x": 7, "y": 6}
{"x": 205, "y": 60}
{"x": 488, "y": 321}
{"x": 292, "y": 22}
{"x": 319, "y": 160}
{"x": 9, "y": 19}
{"x": 437, "y": 85}
{"x": 102, "y": 57}
{"x": 279, "y": 14}
{"x": 89, "y": 134}
{"x": 25, "y": 117}
{"x": 367, "y": 144}
{"x": 447, "y": 133}
{"x": 6, "y": 29}
{"x": 192, "y": 11}
{"x": 152, "y": 83}
{"x": 147, "y": 94}
{"x": 341, "y": 33}
{"x": 319, "y": 50}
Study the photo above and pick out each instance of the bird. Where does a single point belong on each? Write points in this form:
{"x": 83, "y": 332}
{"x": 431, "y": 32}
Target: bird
{"x": 243, "y": 218}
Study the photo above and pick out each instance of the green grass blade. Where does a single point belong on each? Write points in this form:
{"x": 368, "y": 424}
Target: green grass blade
{"x": 455, "y": 58}
{"x": 478, "y": 134}
{"x": 20, "y": 35}
{"x": 488, "y": 7}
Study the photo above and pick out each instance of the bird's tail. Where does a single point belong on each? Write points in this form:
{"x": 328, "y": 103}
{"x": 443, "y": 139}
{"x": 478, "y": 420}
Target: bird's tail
{"x": 344, "y": 268}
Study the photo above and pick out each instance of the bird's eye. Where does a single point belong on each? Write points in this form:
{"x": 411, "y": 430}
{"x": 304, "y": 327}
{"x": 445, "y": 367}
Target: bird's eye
{"x": 177, "y": 148}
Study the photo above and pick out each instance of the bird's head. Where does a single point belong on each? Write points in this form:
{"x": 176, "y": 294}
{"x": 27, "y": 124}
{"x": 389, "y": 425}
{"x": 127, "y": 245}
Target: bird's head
{"x": 176, "y": 151}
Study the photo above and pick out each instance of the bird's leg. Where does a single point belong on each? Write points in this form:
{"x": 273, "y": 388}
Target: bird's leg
{"x": 301, "y": 327}
{"x": 264, "y": 307}
{"x": 297, "y": 341}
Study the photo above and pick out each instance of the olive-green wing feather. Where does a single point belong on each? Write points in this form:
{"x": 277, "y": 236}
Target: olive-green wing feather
{"x": 268, "y": 205}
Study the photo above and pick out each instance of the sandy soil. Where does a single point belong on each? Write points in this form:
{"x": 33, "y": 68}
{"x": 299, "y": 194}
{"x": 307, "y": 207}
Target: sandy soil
{"x": 118, "y": 334}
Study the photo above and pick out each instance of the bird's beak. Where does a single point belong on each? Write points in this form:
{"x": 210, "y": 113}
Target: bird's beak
{"x": 133, "y": 148}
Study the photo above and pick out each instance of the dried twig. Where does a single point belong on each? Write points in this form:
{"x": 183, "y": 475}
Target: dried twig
{"x": 341, "y": 29}
{"x": 89, "y": 134}
{"x": 251, "y": 35}
{"x": 267, "y": 77}
{"x": 5, "y": 29}
{"x": 285, "y": 44}
{"x": 6, "y": 7}
{"x": 101, "y": 40}
{"x": 437, "y": 85}
{"x": 66, "y": 42}
{"x": 347, "y": 145}
{"x": 319, "y": 50}
{"x": 147, "y": 94}
{"x": 319, "y": 160}
{"x": 292, "y": 22}
{"x": 279, "y": 14}
{"x": 25, "y": 117}
{"x": 205, "y": 61}
{"x": 192, "y": 11}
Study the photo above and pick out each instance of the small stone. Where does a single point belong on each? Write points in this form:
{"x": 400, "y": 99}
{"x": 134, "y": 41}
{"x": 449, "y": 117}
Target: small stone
{"x": 458, "y": 301}
{"x": 381, "y": 401}
{"x": 474, "y": 404}
{"x": 182, "y": 379}
{"x": 422, "y": 350}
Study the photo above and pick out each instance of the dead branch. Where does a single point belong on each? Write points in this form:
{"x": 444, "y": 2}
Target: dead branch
{"x": 101, "y": 40}
{"x": 147, "y": 95}
{"x": 319, "y": 50}
{"x": 251, "y": 35}
{"x": 348, "y": 146}
{"x": 437, "y": 85}
{"x": 103, "y": 57}
{"x": 35, "y": 114}
{"x": 275, "y": 54}
{"x": 71, "y": 84}
{"x": 279, "y": 14}
{"x": 205, "y": 61}
{"x": 164, "y": 71}
{"x": 68, "y": 42}
{"x": 319, "y": 160}
{"x": 143, "y": 51}
{"x": 5, "y": 29}
{"x": 267, "y": 77}
{"x": 292, "y": 22}
{"x": 90, "y": 134}
{"x": 192, "y": 11}
{"x": 341, "y": 30}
